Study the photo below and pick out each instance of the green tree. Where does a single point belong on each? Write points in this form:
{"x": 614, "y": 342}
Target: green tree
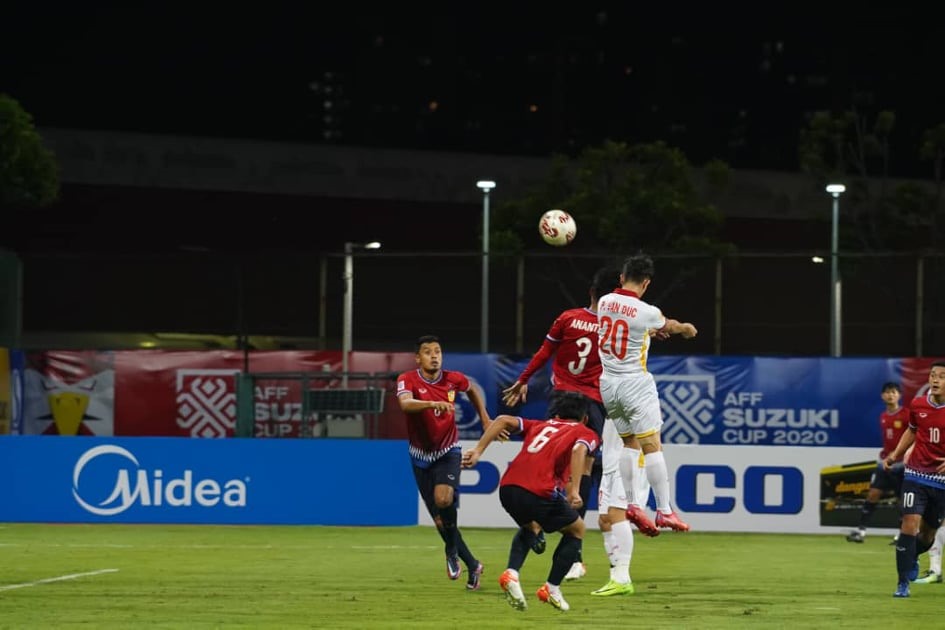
{"x": 933, "y": 150}
{"x": 624, "y": 198}
{"x": 883, "y": 215}
{"x": 28, "y": 171}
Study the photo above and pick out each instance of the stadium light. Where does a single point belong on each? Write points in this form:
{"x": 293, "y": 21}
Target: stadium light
{"x": 485, "y": 185}
{"x": 349, "y": 303}
{"x": 835, "y": 190}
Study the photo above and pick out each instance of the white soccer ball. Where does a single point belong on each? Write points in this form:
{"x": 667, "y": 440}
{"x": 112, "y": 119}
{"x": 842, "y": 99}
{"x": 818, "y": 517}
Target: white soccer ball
{"x": 557, "y": 228}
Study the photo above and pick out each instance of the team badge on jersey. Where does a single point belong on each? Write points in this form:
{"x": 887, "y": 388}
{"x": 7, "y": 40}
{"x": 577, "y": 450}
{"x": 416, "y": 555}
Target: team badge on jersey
{"x": 451, "y": 395}
{"x": 897, "y": 424}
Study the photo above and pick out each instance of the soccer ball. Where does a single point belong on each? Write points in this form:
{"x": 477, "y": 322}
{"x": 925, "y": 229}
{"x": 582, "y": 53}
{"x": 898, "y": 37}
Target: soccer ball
{"x": 557, "y": 228}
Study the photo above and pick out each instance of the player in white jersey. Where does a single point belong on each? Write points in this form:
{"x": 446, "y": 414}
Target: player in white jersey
{"x": 626, "y": 327}
{"x": 613, "y": 500}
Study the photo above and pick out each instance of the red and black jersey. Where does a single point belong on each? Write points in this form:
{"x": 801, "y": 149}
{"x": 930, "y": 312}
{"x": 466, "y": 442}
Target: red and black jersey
{"x": 431, "y": 433}
{"x": 892, "y": 425}
{"x": 572, "y": 339}
{"x": 543, "y": 465}
{"x": 928, "y": 421}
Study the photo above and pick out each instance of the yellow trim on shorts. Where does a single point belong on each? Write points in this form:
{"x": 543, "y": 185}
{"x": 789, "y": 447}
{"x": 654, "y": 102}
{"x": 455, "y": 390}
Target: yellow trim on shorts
{"x": 647, "y": 434}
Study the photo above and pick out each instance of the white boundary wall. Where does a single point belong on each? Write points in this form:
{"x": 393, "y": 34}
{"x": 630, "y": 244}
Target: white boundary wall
{"x": 763, "y": 480}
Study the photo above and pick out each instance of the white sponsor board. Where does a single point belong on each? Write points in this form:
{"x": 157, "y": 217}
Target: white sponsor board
{"x": 770, "y": 489}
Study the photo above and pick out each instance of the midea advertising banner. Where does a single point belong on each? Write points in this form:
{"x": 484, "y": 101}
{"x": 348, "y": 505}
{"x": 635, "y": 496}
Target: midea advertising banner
{"x": 181, "y": 480}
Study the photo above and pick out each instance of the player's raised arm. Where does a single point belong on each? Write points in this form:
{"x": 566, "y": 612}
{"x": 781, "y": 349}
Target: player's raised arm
{"x": 675, "y": 327}
{"x": 579, "y": 456}
{"x": 409, "y": 404}
{"x": 908, "y": 437}
{"x": 480, "y": 406}
{"x": 502, "y": 425}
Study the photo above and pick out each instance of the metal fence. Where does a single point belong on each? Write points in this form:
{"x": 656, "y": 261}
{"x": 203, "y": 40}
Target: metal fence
{"x": 745, "y": 304}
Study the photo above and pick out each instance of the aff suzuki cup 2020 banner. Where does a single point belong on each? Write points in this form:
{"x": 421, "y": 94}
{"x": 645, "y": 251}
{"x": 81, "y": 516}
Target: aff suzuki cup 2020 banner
{"x": 745, "y": 401}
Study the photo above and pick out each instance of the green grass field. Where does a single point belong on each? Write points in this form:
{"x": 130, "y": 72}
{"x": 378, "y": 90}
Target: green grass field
{"x": 161, "y": 576}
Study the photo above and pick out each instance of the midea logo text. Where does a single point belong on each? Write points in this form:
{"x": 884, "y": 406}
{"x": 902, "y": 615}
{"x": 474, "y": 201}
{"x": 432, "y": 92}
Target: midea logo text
{"x": 149, "y": 488}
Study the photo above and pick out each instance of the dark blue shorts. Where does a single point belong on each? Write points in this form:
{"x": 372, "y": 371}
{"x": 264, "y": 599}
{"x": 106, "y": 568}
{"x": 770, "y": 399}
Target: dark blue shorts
{"x": 924, "y": 500}
{"x": 443, "y": 471}
{"x": 888, "y": 479}
{"x": 524, "y": 507}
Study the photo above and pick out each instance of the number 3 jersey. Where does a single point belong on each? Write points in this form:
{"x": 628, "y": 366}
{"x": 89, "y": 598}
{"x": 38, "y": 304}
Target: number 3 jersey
{"x": 572, "y": 339}
{"x": 625, "y": 325}
{"x": 543, "y": 465}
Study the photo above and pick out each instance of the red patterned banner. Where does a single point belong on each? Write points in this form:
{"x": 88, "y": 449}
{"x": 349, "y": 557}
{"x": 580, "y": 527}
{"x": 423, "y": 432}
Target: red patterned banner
{"x": 193, "y": 393}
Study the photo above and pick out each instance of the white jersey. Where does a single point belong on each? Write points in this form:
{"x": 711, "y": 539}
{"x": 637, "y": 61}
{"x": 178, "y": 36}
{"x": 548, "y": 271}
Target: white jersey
{"x": 625, "y": 322}
{"x": 611, "y": 447}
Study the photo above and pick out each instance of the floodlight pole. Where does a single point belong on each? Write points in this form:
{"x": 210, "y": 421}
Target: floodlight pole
{"x": 347, "y": 315}
{"x": 835, "y": 190}
{"x": 485, "y": 186}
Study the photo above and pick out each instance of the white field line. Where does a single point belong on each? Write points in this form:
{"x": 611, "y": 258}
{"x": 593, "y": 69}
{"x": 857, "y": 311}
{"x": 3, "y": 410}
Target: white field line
{"x": 208, "y": 546}
{"x": 58, "y": 578}
{"x": 248, "y": 547}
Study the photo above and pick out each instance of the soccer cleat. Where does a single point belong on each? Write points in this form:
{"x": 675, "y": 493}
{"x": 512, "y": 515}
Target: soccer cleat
{"x": 453, "y": 568}
{"x": 671, "y": 521}
{"x": 614, "y": 588}
{"x": 576, "y": 572}
{"x": 930, "y": 577}
{"x": 557, "y": 601}
{"x": 513, "y": 590}
{"x": 538, "y": 545}
{"x": 472, "y": 582}
{"x": 856, "y": 536}
{"x": 913, "y": 574}
{"x": 638, "y": 517}
{"x": 902, "y": 590}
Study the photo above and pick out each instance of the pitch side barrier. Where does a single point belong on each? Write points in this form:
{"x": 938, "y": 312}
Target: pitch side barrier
{"x": 769, "y": 444}
{"x": 183, "y": 480}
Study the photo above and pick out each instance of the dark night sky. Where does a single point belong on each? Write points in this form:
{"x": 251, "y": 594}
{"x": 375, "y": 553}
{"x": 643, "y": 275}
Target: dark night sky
{"x": 729, "y": 84}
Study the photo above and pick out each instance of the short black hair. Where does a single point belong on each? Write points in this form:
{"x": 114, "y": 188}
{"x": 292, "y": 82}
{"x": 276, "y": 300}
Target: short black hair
{"x": 891, "y": 385}
{"x": 638, "y": 268}
{"x": 940, "y": 363}
{"x": 571, "y": 406}
{"x": 426, "y": 339}
{"x": 606, "y": 279}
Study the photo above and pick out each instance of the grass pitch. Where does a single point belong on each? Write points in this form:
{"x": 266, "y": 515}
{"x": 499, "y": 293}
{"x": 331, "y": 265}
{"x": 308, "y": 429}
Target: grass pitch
{"x": 160, "y": 576}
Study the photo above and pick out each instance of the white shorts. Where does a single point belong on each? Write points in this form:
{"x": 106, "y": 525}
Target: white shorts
{"x": 632, "y": 403}
{"x": 612, "y": 494}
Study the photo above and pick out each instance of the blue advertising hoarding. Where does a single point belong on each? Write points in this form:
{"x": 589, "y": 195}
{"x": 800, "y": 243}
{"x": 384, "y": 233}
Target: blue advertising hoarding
{"x": 185, "y": 480}
{"x": 771, "y": 401}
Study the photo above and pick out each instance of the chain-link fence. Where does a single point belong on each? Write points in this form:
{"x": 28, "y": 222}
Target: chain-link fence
{"x": 749, "y": 304}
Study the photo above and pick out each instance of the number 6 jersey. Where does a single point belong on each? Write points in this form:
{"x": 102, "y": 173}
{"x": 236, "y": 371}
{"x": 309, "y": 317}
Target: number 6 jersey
{"x": 543, "y": 465}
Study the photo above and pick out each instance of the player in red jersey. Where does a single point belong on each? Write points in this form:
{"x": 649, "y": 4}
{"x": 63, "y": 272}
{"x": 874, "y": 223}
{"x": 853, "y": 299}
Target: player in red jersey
{"x": 572, "y": 343}
{"x": 539, "y": 487}
{"x": 427, "y": 396}
{"x": 892, "y": 422}
{"x": 923, "y": 486}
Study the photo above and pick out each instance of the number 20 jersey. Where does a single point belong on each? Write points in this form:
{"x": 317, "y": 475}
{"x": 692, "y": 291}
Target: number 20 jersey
{"x": 543, "y": 465}
{"x": 625, "y": 324}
